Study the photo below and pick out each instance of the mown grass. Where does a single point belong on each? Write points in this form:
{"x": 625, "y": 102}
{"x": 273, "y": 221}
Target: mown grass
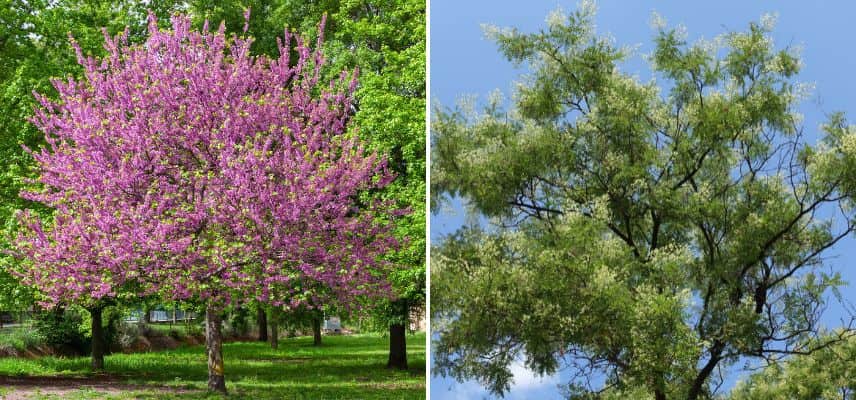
{"x": 344, "y": 367}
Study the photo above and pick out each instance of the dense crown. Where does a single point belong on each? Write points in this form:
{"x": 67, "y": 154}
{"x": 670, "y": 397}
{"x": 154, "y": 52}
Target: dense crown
{"x": 645, "y": 238}
{"x": 186, "y": 166}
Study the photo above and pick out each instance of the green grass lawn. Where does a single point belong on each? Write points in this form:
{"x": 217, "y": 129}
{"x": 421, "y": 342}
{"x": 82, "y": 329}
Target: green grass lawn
{"x": 344, "y": 367}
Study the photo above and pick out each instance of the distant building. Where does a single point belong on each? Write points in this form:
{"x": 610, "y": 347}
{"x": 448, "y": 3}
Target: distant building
{"x": 160, "y": 315}
{"x": 332, "y": 324}
{"x": 417, "y": 319}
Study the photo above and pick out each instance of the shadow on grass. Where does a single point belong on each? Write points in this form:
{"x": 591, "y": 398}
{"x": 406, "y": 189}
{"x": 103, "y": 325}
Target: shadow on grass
{"x": 344, "y": 367}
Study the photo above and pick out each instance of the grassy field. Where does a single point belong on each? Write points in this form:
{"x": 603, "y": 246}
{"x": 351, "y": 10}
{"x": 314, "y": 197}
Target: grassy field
{"x": 344, "y": 367}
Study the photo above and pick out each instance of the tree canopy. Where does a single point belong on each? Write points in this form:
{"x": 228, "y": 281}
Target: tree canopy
{"x": 646, "y": 235}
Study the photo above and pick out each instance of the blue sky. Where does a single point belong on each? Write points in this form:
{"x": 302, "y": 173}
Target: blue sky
{"x": 463, "y": 62}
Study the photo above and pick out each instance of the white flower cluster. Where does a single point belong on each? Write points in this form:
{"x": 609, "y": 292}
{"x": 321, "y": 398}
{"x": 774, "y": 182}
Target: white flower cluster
{"x": 657, "y": 22}
{"x": 768, "y": 21}
{"x": 556, "y": 18}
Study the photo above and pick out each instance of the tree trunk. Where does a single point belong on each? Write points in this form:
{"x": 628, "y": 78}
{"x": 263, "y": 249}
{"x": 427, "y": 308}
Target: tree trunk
{"x": 698, "y": 384}
{"x": 98, "y": 345}
{"x": 147, "y": 318}
{"x": 214, "y": 347}
{"x": 274, "y": 328}
{"x": 397, "y": 347}
{"x": 261, "y": 317}
{"x": 316, "y": 330}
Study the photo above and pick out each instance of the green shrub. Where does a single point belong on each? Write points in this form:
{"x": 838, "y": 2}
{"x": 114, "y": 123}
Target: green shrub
{"x": 20, "y": 338}
{"x": 176, "y": 334}
{"x": 237, "y": 322}
{"x": 195, "y": 327}
{"x": 61, "y": 327}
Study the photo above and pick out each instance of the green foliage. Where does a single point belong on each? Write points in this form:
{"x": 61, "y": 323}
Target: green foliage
{"x": 390, "y": 52}
{"x": 646, "y": 234}
{"x": 20, "y": 338}
{"x": 294, "y": 322}
{"x": 237, "y": 322}
{"x": 345, "y": 367}
{"x": 127, "y": 333}
{"x": 62, "y": 328}
{"x": 386, "y": 313}
{"x": 827, "y": 374}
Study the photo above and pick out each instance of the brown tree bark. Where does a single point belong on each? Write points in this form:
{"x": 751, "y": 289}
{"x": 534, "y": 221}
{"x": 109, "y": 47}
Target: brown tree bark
{"x": 397, "y": 347}
{"x": 316, "y": 330}
{"x": 98, "y": 342}
{"x": 214, "y": 347}
{"x": 274, "y": 328}
{"x": 261, "y": 317}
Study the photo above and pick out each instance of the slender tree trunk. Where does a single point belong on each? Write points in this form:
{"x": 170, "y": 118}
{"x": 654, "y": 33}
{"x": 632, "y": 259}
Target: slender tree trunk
{"x": 147, "y": 318}
{"x": 214, "y": 347}
{"x": 274, "y": 328}
{"x": 398, "y": 335}
{"x": 397, "y": 347}
{"x": 261, "y": 317}
{"x": 316, "y": 329}
{"x": 98, "y": 345}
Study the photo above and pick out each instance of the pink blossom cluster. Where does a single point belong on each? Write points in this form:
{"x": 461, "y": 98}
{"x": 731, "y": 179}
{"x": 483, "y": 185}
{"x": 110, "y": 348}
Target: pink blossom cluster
{"x": 186, "y": 167}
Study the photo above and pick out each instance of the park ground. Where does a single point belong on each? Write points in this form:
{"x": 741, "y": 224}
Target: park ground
{"x": 344, "y": 367}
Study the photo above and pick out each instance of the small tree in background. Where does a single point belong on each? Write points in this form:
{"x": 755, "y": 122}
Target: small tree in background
{"x": 223, "y": 176}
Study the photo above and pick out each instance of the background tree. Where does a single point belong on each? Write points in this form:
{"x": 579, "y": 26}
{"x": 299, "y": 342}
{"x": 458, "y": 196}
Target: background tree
{"x": 386, "y": 40}
{"x": 648, "y": 238}
{"x": 261, "y": 321}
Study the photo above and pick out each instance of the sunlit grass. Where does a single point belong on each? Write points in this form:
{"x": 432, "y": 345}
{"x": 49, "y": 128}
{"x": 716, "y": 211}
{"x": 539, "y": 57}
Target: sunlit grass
{"x": 345, "y": 367}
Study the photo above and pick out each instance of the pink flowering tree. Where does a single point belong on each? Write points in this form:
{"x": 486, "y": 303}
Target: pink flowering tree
{"x": 86, "y": 256}
{"x": 199, "y": 172}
